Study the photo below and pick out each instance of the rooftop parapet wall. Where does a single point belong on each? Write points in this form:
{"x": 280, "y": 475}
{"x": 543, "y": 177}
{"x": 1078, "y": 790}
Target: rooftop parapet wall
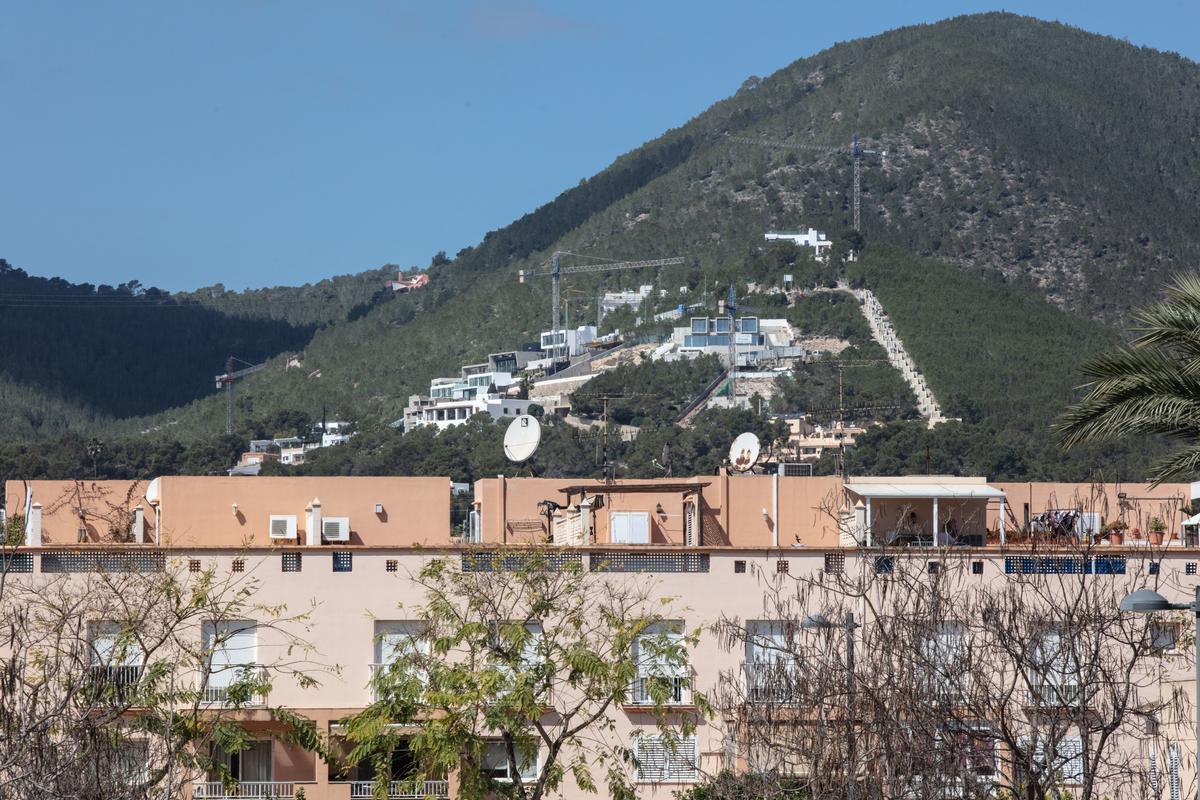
{"x": 237, "y": 511}
{"x": 732, "y": 510}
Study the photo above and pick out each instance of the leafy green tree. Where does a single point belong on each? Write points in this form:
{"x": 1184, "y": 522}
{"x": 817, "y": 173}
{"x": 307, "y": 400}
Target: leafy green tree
{"x": 520, "y": 662}
{"x": 1152, "y": 386}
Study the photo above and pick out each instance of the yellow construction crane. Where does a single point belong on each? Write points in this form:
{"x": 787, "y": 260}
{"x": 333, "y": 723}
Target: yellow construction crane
{"x": 557, "y": 270}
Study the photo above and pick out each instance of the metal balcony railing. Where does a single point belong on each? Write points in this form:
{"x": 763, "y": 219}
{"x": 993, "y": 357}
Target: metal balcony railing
{"x": 768, "y": 682}
{"x": 678, "y": 690}
{"x": 117, "y": 682}
{"x": 222, "y": 695}
{"x": 1054, "y": 694}
{"x": 377, "y": 673}
{"x": 272, "y": 789}
{"x": 403, "y": 790}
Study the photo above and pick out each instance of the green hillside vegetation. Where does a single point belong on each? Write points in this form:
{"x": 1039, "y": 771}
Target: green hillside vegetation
{"x": 337, "y": 299}
{"x": 649, "y": 391}
{"x": 116, "y": 351}
{"x": 990, "y": 348}
{"x": 1016, "y": 149}
{"x": 475, "y": 450}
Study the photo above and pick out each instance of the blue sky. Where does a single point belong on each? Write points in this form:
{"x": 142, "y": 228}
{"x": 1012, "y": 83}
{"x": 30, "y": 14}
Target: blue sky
{"x": 259, "y": 143}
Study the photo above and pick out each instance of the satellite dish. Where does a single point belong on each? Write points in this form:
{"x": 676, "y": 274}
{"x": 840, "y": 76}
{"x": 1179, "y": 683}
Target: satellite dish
{"x": 522, "y": 438}
{"x": 743, "y": 453}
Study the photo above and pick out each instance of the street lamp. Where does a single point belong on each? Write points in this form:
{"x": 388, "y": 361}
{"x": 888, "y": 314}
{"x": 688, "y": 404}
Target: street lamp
{"x": 1147, "y": 601}
{"x": 818, "y": 621}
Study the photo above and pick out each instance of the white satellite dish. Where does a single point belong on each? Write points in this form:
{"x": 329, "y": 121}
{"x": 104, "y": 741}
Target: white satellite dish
{"x": 522, "y": 438}
{"x": 743, "y": 453}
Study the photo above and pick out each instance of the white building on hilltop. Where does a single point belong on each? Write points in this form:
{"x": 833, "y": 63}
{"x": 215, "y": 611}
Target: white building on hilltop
{"x": 571, "y": 343}
{"x": 611, "y": 301}
{"x": 812, "y": 237}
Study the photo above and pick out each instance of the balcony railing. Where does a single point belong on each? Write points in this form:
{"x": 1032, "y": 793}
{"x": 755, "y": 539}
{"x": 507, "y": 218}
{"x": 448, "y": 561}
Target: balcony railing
{"x": 378, "y": 671}
{"x": 118, "y": 682}
{"x": 225, "y": 695}
{"x": 768, "y": 682}
{"x": 403, "y": 790}
{"x": 244, "y": 789}
{"x": 1054, "y": 694}
{"x": 678, "y": 691}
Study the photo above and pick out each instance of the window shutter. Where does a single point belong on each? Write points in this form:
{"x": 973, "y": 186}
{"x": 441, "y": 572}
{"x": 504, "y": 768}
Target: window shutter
{"x": 1070, "y": 758}
{"x": 656, "y": 762}
{"x": 231, "y": 645}
{"x": 651, "y": 758}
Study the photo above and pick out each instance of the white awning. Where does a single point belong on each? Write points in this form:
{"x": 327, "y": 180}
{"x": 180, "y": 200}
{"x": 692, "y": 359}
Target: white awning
{"x": 925, "y": 490}
{"x": 1195, "y": 520}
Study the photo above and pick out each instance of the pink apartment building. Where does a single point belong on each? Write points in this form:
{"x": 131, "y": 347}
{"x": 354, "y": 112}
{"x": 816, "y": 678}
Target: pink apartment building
{"x": 348, "y": 544}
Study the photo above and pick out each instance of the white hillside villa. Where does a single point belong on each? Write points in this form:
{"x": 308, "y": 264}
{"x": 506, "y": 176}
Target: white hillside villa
{"x": 812, "y": 237}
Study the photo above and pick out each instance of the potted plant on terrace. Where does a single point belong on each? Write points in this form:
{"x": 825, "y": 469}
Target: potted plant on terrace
{"x": 1157, "y": 528}
{"x": 1116, "y": 531}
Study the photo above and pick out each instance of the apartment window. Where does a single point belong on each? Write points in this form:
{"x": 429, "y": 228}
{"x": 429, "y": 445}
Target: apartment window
{"x": 976, "y": 567}
{"x": 661, "y": 677}
{"x": 506, "y": 638}
{"x": 1163, "y": 636}
{"x": 1053, "y": 679}
{"x": 251, "y": 765}
{"x": 193, "y": 565}
{"x": 132, "y": 761}
{"x": 392, "y": 565}
{"x": 885, "y": 565}
{"x": 781, "y": 566}
{"x": 835, "y": 563}
{"x": 231, "y": 649}
{"x": 238, "y": 565}
{"x": 770, "y": 662}
{"x": 343, "y": 561}
{"x": 629, "y": 527}
{"x": 398, "y": 642}
{"x": 1067, "y": 757}
{"x": 291, "y": 562}
{"x": 944, "y": 651}
{"x": 660, "y": 760}
{"x": 1189, "y": 568}
{"x": 1153, "y": 567}
{"x": 498, "y": 766}
{"x": 739, "y": 566}
{"x": 116, "y": 659}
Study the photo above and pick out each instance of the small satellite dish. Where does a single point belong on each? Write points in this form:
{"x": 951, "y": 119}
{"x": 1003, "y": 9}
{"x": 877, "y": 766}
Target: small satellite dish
{"x": 743, "y": 453}
{"x": 522, "y": 438}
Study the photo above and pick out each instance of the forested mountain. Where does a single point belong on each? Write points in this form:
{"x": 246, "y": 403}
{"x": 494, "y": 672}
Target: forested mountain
{"x": 1036, "y": 185}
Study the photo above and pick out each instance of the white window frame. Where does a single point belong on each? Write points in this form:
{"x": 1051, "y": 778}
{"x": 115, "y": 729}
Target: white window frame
{"x": 103, "y": 636}
{"x": 495, "y": 758}
{"x": 222, "y": 663}
{"x": 613, "y": 526}
{"x": 672, "y": 632}
{"x": 681, "y": 765}
{"x": 228, "y": 756}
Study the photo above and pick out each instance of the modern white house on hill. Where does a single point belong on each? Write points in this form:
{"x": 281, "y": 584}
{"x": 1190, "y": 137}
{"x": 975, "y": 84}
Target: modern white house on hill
{"x": 812, "y": 237}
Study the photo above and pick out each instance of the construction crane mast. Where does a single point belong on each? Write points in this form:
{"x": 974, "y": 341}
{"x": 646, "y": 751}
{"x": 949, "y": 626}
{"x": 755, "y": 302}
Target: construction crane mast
{"x": 557, "y": 270}
{"x": 730, "y": 308}
{"x": 225, "y": 381}
{"x": 856, "y": 152}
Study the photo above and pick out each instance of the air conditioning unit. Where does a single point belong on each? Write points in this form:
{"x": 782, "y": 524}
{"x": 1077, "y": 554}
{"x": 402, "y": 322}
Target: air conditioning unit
{"x": 795, "y": 470}
{"x": 283, "y": 526}
{"x": 335, "y": 529}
